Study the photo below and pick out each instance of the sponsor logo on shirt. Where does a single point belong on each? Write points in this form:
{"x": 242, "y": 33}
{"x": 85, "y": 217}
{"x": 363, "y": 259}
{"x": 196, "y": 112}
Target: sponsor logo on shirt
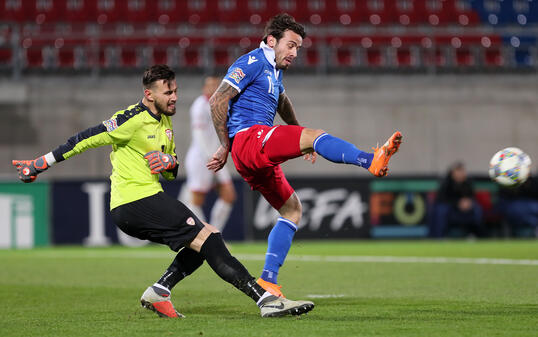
{"x": 110, "y": 124}
{"x": 151, "y": 137}
{"x": 169, "y": 134}
{"x": 251, "y": 59}
{"x": 237, "y": 75}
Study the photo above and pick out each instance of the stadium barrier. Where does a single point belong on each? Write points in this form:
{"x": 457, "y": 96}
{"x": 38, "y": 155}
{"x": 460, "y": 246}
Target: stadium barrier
{"x": 24, "y": 215}
{"x": 333, "y": 208}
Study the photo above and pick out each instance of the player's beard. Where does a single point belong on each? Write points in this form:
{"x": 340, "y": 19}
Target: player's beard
{"x": 163, "y": 108}
{"x": 280, "y": 65}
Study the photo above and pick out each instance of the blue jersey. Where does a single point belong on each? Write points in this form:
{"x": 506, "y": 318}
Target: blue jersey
{"x": 259, "y": 84}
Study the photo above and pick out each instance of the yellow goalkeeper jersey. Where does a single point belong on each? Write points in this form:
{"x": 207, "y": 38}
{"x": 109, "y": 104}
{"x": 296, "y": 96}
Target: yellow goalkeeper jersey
{"x": 132, "y": 132}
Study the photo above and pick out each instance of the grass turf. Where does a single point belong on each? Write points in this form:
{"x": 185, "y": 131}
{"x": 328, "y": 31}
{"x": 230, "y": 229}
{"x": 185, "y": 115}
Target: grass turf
{"x": 74, "y": 291}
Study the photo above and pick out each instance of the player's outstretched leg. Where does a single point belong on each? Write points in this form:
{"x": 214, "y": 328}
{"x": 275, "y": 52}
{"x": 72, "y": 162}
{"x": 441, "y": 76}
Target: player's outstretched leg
{"x": 157, "y": 297}
{"x": 340, "y": 151}
{"x": 232, "y": 271}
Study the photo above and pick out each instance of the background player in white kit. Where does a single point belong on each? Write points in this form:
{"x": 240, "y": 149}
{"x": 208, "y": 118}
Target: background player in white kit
{"x": 200, "y": 180}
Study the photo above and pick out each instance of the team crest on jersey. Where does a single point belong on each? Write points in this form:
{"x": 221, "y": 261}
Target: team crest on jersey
{"x": 237, "y": 75}
{"x": 110, "y": 124}
{"x": 169, "y": 134}
{"x": 190, "y": 221}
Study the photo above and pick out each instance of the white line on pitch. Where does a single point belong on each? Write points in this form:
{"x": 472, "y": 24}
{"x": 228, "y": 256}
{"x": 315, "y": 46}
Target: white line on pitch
{"x": 302, "y": 258}
{"x": 324, "y": 296}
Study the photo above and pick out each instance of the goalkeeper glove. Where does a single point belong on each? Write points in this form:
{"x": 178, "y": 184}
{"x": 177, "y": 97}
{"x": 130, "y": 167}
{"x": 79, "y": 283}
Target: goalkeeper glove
{"x": 29, "y": 169}
{"x": 159, "y": 161}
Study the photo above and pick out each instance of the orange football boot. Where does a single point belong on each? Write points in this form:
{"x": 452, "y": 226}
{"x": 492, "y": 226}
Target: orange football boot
{"x": 270, "y": 287}
{"x": 380, "y": 162}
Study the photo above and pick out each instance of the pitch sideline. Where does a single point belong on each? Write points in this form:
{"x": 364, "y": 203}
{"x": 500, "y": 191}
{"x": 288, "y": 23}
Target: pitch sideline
{"x": 306, "y": 258}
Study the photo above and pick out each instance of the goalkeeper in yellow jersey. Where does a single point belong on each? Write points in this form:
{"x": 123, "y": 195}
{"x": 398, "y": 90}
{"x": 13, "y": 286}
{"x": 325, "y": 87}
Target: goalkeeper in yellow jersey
{"x": 143, "y": 147}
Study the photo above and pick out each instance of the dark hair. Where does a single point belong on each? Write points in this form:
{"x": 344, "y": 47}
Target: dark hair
{"x": 156, "y": 73}
{"x": 279, "y": 24}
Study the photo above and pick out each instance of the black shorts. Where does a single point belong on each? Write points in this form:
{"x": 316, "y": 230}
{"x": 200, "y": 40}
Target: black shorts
{"x": 158, "y": 218}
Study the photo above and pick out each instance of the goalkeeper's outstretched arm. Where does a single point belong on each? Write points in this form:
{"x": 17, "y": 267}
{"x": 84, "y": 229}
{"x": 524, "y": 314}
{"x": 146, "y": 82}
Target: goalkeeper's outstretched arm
{"x": 113, "y": 131}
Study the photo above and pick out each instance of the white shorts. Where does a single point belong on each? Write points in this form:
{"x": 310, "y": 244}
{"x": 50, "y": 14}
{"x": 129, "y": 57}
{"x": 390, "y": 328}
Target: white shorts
{"x": 199, "y": 177}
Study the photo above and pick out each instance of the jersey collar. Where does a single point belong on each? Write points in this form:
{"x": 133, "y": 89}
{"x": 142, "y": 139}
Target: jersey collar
{"x": 158, "y": 118}
{"x": 269, "y": 54}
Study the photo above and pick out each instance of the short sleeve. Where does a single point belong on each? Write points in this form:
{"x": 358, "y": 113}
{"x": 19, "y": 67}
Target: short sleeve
{"x": 243, "y": 72}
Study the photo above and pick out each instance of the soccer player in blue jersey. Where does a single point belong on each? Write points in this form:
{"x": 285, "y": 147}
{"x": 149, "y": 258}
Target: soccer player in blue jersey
{"x": 243, "y": 109}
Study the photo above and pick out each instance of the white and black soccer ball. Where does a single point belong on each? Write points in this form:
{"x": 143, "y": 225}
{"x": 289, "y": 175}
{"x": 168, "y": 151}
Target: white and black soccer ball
{"x": 510, "y": 167}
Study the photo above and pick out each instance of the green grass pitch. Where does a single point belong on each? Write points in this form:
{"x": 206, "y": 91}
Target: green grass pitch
{"x": 361, "y": 288}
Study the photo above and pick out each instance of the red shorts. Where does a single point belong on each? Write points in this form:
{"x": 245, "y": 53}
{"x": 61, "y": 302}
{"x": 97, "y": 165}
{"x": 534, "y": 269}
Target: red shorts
{"x": 257, "y": 154}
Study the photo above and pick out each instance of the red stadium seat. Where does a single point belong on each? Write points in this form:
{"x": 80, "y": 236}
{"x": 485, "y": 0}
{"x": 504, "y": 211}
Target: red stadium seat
{"x": 111, "y": 11}
{"x": 200, "y": 11}
{"x": 296, "y": 8}
{"x": 160, "y": 55}
{"x": 381, "y": 12}
{"x": 48, "y": 11}
{"x": 348, "y": 12}
{"x": 257, "y": 12}
{"x": 169, "y": 11}
{"x": 227, "y": 48}
{"x": 138, "y": 11}
{"x": 405, "y": 58}
{"x": 6, "y": 57}
{"x": 494, "y": 57}
{"x": 310, "y": 55}
{"x": 129, "y": 57}
{"x": 80, "y": 11}
{"x": 321, "y": 12}
{"x": 191, "y": 51}
{"x": 375, "y": 57}
{"x": 465, "y": 57}
{"x": 34, "y": 57}
{"x": 344, "y": 57}
{"x": 229, "y": 12}
{"x": 17, "y": 10}
{"x": 465, "y": 15}
{"x": 410, "y": 12}
{"x": 66, "y": 57}
{"x": 191, "y": 58}
{"x": 435, "y": 57}
{"x": 312, "y": 58}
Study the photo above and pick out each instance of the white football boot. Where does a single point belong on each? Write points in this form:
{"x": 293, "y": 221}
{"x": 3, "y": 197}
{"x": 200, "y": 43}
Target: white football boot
{"x": 273, "y": 306}
{"x": 157, "y": 299}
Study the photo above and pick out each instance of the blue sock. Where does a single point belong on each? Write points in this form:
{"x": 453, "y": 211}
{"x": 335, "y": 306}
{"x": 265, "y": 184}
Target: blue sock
{"x": 278, "y": 245}
{"x": 339, "y": 151}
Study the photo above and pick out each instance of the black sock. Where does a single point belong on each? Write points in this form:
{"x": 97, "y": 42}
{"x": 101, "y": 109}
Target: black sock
{"x": 185, "y": 263}
{"x": 228, "y": 268}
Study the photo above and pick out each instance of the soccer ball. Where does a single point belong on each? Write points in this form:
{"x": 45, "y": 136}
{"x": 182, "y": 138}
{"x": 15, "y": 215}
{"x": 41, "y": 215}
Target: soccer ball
{"x": 510, "y": 167}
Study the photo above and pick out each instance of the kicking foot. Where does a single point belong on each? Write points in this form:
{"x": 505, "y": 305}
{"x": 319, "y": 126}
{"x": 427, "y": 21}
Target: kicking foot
{"x": 379, "y": 166}
{"x": 271, "y": 287}
{"x": 274, "y": 306}
{"x": 158, "y": 300}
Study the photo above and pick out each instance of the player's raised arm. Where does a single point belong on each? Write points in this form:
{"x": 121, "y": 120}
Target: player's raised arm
{"x": 219, "y": 113}
{"x": 285, "y": 110}
{"x": 113, "y": 131}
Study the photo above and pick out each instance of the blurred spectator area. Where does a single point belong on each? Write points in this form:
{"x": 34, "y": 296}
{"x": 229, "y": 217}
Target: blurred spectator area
{"x": 197, "y": 35}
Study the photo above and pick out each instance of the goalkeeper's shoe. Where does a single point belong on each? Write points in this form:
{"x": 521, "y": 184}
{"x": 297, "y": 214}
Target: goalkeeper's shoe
{"x": 380, "y": 162}
{"x": 158, "y": 300}
{"x": 274, "y": 306}
{"x": 271, "y": 287}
